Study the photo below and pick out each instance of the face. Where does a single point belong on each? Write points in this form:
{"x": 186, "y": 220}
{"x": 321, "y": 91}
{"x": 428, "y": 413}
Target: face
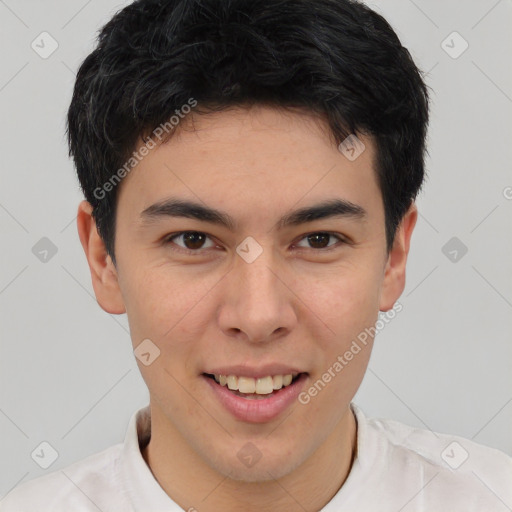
{"x": 240, "y": 286}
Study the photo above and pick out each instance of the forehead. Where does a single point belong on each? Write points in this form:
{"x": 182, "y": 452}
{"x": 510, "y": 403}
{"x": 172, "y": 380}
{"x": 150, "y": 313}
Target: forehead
{"x": 252, "y": 157}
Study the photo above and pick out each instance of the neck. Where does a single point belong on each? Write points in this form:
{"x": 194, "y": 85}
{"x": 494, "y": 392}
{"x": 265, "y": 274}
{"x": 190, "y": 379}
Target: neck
{"x": 193, "y": 484}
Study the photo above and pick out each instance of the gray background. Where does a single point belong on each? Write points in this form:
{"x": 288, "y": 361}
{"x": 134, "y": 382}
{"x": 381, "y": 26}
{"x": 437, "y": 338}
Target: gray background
{"x": 68, "y": 375}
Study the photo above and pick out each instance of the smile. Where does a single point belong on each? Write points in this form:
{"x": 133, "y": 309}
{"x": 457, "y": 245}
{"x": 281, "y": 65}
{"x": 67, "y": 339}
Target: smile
{"x": 255, "y": 399}
{"x": 249, "y": 386}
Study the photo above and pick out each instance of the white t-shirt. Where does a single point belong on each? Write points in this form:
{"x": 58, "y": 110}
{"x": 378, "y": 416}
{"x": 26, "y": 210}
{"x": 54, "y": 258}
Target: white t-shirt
{"x": 397, "y": 468}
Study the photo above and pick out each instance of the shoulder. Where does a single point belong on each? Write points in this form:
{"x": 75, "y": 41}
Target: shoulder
{"x": 449, "y": 469}
{"x": 86, "y": 485}
{"x": 445, "y": 451}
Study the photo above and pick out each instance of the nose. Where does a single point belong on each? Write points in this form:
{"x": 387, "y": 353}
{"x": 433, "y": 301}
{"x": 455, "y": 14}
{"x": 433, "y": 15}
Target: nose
{"x": 258, "y": 305}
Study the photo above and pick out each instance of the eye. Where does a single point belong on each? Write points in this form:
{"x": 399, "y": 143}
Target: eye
{"x": 190, "y": 241}
{"x": 194, "y": 242}
{"x": 320, "y": 240}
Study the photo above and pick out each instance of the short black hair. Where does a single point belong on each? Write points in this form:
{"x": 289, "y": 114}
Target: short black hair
{"x": 335, "y": 58}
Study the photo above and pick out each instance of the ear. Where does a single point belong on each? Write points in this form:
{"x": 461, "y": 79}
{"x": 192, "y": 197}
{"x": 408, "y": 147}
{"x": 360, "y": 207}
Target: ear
{"x": 103, "y": 272}
{"x": 394, "y": 275}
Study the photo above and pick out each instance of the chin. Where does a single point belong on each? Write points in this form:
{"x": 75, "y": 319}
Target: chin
{"x": 263, "y": 470}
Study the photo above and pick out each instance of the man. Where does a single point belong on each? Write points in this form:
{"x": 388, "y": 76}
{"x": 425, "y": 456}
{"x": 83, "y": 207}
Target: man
{"x": 250, "y": 170}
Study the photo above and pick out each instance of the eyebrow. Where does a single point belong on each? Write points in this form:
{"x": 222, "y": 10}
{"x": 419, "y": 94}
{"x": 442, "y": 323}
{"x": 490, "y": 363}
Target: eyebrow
{"x": 174, "y": 207}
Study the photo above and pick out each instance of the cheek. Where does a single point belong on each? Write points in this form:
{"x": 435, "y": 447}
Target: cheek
{"x": 350, "y": 308}
{"x": 164, "y": 306}
{"x": 161, "y": 302}
{"x": 347, "y": 301}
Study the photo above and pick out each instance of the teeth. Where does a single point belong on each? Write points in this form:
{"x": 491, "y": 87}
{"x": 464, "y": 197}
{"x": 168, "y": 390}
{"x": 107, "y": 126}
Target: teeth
{"x": 246, "y": 385}
{"x": 277, "y": 382}
{"x": 261, "y": 386}
{"x": 232, "y": 382}
{"x": 264, "y": 386}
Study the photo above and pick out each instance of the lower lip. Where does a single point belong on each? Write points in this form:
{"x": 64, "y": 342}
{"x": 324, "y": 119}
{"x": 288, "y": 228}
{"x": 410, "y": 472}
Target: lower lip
{"x": 257, "y": 410}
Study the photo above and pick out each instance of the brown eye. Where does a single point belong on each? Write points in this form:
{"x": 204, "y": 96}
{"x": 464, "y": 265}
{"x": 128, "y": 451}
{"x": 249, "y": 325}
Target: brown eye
{"x": 320, "y": 240}
{"x": 191, "y": 240}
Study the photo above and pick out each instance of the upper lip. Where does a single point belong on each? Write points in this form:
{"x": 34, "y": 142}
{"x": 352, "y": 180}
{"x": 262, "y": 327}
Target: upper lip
{"x": 253, "y": 371}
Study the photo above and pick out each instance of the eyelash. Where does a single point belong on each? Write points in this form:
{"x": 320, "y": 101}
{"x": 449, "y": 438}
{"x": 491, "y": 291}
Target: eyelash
{"x": 169, "y": 240}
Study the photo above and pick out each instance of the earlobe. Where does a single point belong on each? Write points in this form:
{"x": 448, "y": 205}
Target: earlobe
{"x": 103, "y": 272}
{"x": 394, "y": 276}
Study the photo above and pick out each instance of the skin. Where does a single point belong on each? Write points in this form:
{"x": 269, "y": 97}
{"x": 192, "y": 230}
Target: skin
{"x": 297, "y": 303}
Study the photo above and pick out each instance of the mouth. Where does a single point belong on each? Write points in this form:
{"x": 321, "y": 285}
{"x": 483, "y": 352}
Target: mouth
{"x": 256, "y": 399}
{"x": 254, "y": 389}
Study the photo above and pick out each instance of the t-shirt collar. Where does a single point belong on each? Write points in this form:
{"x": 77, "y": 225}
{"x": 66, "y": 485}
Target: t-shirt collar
{"x": 144, "y": 490}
